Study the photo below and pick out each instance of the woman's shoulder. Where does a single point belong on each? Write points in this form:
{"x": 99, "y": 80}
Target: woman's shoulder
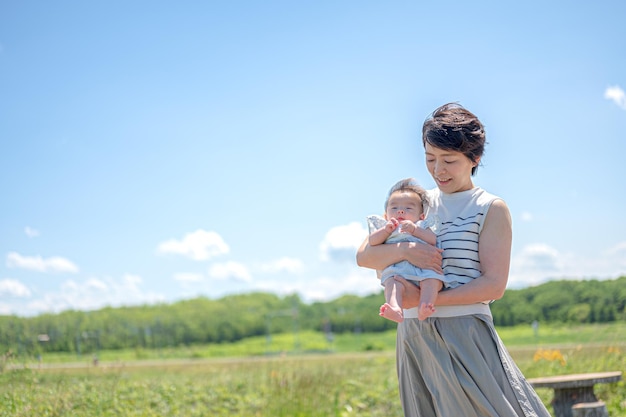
{"x": 496, "y": 206}
{"x": 484, "y": 197}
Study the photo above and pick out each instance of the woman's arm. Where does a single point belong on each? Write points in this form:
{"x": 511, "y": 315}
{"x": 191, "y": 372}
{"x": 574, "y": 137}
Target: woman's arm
{"x": 381, "y": 256}
{"x": 494, "y": 251}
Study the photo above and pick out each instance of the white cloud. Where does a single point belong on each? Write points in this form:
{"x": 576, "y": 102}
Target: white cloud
{"x": 30, "y": 232}
{"x": 539, "y": 256}
{"x": 526, "y": 216}
{"x": 188, "y": 277}
{"x": 132, "y": 281}
{"x": 536, "y": 263}
{"x": 616, "y": 95}
{"x": 347, "y": 280}
{"x": 37, "y": 263}
{"x": 357, "y": 281}
{"x": 96, "y": 285}
{"x": 615, "y": 259}
{"x": 230, "y": 271}
{"x": 539, "y": 263}
{"x": 619, "y": 251}
{"x": 13, "y": 288}
{"x": 341, "y": 242}
{"x": 91, "y": 294}
{"x": 284, "y": 264}
{"x": 200, "y": 245}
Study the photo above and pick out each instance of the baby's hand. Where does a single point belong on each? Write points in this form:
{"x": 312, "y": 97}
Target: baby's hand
{"x": 408, "y": 226}
{"x": 391, "y": 225}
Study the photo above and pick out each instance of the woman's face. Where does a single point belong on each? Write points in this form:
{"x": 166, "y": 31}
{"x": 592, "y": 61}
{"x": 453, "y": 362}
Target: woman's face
{"x": 451, "y": 170}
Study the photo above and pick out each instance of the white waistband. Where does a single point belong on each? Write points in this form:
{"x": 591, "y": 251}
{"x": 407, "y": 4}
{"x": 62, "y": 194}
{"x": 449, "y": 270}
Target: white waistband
{"x": 453, "y": 311}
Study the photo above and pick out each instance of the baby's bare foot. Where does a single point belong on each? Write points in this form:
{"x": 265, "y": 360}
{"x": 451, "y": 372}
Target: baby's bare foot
{"x": 425, "y": 310}
{"x": 393, "y": 314}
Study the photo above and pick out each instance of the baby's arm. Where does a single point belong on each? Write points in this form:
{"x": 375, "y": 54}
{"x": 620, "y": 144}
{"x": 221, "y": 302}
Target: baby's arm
{"x": 426, "y": 235}
{"x": 379, "y": 236}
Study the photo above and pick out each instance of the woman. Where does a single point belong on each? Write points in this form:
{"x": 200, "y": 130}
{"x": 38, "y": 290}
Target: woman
{"x": 453, "y": 363}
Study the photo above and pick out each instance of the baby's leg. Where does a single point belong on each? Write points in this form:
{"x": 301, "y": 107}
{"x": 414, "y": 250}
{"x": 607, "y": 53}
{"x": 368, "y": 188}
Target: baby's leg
{"x": 392, "y": 309}
{"x": 429, "y": 288}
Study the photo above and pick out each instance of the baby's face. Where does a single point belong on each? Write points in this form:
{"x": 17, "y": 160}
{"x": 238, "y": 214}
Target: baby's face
{"x": 404, "y": 205}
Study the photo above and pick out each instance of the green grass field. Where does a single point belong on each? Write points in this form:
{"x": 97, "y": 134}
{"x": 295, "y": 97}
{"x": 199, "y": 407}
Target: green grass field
{"x": 288, "y": 375}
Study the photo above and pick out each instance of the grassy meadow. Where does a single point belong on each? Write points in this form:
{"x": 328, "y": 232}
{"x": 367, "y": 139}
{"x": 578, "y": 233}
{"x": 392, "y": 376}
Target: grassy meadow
{"x": 302, "y": 374}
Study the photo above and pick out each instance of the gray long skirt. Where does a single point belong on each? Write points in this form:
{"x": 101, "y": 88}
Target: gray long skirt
{"x": 458, "y": 367}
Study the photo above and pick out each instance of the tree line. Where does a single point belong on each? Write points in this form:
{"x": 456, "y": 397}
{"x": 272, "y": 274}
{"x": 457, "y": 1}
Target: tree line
{"x": 202, "y": 320}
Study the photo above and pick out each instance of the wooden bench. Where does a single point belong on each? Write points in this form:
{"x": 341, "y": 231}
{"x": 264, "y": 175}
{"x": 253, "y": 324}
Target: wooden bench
{"x": 597, "y": 409}
{"x": 573, "y": 389}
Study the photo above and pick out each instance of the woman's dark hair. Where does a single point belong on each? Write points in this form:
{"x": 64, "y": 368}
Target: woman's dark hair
{"x": 454, "y": 128}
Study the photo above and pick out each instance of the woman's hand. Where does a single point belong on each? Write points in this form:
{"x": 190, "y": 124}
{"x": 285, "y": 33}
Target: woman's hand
{"x": 424, "y": 256}
{"x": 381, "y": 256}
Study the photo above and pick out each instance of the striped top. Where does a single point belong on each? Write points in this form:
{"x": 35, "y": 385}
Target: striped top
{"x": 460, "y": 220}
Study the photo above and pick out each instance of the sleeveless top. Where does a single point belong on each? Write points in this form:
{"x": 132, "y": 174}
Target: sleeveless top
{"x": 460, "y": 220}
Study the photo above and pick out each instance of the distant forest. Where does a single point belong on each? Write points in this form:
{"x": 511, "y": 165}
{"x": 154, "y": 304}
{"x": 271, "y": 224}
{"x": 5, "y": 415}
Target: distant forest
{"x": 232, "y": 318}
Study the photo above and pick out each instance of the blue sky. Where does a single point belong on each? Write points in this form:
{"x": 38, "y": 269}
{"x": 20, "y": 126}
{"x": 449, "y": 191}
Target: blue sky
{"x": 152, "y": 151}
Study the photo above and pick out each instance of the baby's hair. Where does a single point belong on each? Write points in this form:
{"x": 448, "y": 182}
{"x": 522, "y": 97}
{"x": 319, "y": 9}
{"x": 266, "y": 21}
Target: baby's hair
{"x": 408, "y": 185}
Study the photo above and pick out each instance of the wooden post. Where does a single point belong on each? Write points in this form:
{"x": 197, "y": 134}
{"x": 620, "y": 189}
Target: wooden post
{"x": 595, "y": 409}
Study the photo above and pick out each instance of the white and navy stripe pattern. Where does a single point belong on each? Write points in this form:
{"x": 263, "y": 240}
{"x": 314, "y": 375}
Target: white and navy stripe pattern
{"x": 461, "y": 218}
